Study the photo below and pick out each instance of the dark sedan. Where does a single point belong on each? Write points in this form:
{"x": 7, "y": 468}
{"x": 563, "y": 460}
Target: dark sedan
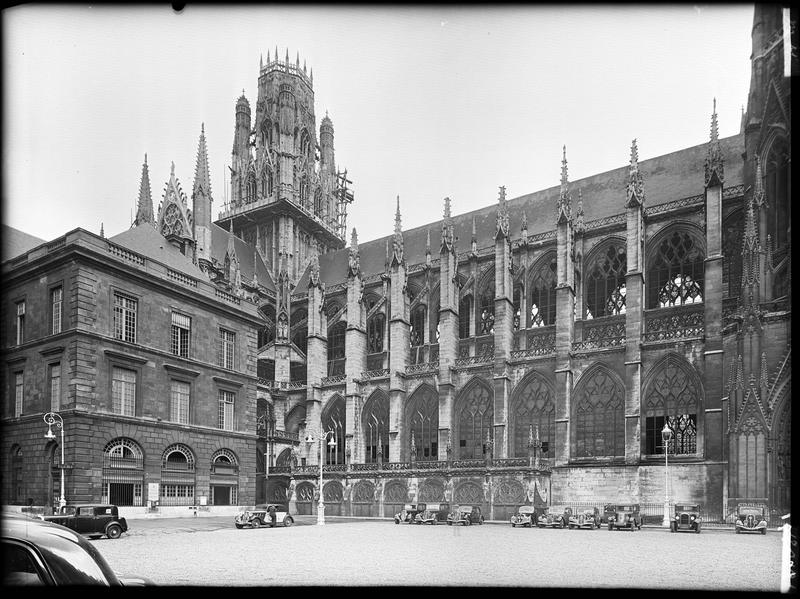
{"x": 41, "y": 553}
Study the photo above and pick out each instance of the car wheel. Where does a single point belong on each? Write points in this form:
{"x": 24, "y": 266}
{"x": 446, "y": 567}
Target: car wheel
{"x": 610, "y": 527}
{"x": 114, "y": 531}
{"x": 238, "y": 525}
{"x": 737, "y": 530}
{"x": 513, "y": 525}
{"x": 763, "y": 531}
{"x": 449, "y": 523}
{"x": 481, "y": 520}
{"x": 288, "y": 521}
{"x": 396, "y": 521}
{"x": 697, "y": 530}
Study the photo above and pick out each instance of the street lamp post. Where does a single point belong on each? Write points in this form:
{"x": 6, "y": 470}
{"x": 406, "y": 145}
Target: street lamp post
{"x": 52, "y": 418}
{"x": 666, "y": 435}
{"x": 332, "y": 443}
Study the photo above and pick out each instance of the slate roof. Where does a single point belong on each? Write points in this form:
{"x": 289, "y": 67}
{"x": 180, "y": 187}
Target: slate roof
{"x": 244, "y": 252}
{"x": 145, "y": 240}
{"x": 16, "y": 242}
{"x": 666, "y": 178}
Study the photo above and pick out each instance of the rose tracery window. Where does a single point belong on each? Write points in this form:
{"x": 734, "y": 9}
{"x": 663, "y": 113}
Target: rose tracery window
{"x": 535, "y": 407}
{"x": 672, "y": 398}
{"x": 376, "y": 427}
{"x": 605, "y": 282}
{"x": 599, "y": 417}
{"x": 423, "y": 418}
{"x": 475, "y": 419}
{"x": 542, "y": 310}
{"x": 676, "y": 273}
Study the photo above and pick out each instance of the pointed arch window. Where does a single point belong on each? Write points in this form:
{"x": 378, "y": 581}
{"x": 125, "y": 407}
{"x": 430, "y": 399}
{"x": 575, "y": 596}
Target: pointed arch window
{"x": 732, "y": 254}
{"x": 417, "y": 336}
{"x": 599, "y": 417}
{"x": 777, "y": 183}
{"x": 475, "y": 420}
{"x": 251, "y": 190}
{"x": 542, "y": 299}
{"x": 336, "y": 356}
{"x": 464, "y": 313}
{"x": 485, "y": 315}
{"x": 676, "y": 272}
{"x": 375, "y": 422}
{"x": 375, "y": 327}
{"x": 671, "y": 398}
{"x": 534, "y": 408}
{"x": 423, "y": 419}
{"x": 433, "y": 334}
{"x": 518, "y": 291}
{"x": 605, "y": 284}
{"x": 334, "y": 420}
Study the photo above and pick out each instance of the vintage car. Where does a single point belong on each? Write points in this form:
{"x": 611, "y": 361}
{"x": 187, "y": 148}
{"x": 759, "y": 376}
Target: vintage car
{"x": 686, "y": 518}
{"x": 409, "y": 513}
{"x": 91, "y": 519}
{"x": 258, "y": 515}
{"x": 433, "y": 514}
{"x": 42, "y": 553}
{"x": 587, "y": 518}
{"x": 626, "y": 515}
{"x": 555, "y": 516}
{"x": 465, "y": 515}
{"x": 525, "y": 516}
{"x": 609, "y": 510}
{"x": 751, "y": 517}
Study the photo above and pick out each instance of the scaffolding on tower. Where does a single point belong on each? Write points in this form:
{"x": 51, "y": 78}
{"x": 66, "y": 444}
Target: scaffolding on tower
{"x": 344, "y": 196}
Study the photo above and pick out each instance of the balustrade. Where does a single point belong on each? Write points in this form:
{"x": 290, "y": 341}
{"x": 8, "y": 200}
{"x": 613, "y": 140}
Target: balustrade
{"x": 674, "y": 323}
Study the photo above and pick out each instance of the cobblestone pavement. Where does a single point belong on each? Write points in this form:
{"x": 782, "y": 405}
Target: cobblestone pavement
{"x": 211, "y": 552}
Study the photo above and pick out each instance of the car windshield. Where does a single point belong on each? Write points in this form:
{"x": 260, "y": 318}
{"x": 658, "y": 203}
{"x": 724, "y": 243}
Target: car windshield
{"x": 624, "y": 508}
{"x": 749, "y": 511}
{"x": 686, "y": 508}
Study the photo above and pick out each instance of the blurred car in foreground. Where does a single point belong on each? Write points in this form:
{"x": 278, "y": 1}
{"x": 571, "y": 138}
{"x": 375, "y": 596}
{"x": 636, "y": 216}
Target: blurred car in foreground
{"x": 36, "y": 552}
{"x": 91, "y": 519}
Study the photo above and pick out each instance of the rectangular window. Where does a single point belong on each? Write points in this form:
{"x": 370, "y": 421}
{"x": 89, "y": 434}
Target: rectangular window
{"x": 124, "y": 318}
{"x": 55, "y": 386}
{"x": 123, "y": 391}
{"x": 179, "y": 402}
{"x": 181, "y": 329}
{"x": 18, "y": 393}
{"x": 56, "y": 300}
{"x": 20, "y": 322}
{"x": 226, "y": 399}
{"x": 227, "y": 343}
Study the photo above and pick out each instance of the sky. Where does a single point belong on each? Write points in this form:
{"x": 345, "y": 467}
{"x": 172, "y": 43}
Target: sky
{"x": 426, "y": 101}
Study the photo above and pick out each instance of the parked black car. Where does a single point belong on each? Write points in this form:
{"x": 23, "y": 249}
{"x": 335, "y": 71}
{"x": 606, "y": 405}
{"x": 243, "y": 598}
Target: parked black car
{"x": 433, "y": 514}
{"x": 525, "y": 516}
{"x": 556, "y": 516}
{"x": 686, "y": 518}
{"x": 91, "y": 519}
{"x": 42, "y": 553}
{"x": 751, "y": 517}
{"x": 626, "y": 515}
{"x": 409, "y": 512}
{"x": 465, "y": 515}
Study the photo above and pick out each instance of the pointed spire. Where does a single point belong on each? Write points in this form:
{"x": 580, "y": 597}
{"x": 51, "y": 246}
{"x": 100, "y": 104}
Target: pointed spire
{"x": 255, "y": 266}
{"x": 297, "y": 60}
{"x": 714, "y": 166}
{"x": 428, "y": 248}
{"x": 739, "y": 373}
{"x": 260, "y": 61}
{"x": 202, "y": 179}
{"x": 474, "y": 240}
{"x": 304, "y": 65}
{"x": 354, "y": 266}
{"x": 732, "y": 375}
{"x": 313, "y": 267}
{"x": 268, "y": 60}
{"x": 102, "y": 232}
{"x": 397, "y": 241}
{"x": 287, "y": 55}
{"x": 763, "y": 381}
{"x": 502, "y": 214}
{"x": 448, "y": 235}
{"x": 579, "y": 222}
{"x": 564, "y": 207}
{"x": 635, "y": 188}
{"x": 144, "y": 210}
{"x": 758, "y": 184}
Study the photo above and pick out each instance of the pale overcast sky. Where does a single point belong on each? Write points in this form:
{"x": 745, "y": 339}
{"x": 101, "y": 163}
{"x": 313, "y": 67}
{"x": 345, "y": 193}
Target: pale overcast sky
{"x": 426, "y": 102}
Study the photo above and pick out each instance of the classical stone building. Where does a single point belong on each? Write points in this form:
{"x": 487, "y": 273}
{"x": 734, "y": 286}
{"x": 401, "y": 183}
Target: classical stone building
{"x": 531, "y": 351}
